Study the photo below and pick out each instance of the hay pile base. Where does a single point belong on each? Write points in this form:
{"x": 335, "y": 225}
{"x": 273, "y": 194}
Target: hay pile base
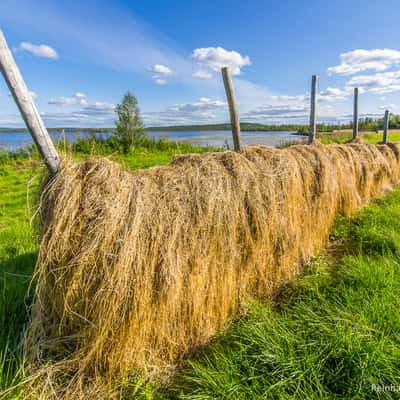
{"x": 137, "y": 270}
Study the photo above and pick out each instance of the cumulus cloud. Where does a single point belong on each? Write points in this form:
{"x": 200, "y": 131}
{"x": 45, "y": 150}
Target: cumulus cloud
{"x": 84, "y": 112}
{"x": 287, "y": 98}
{"x": 217, "y": 57}
{"x": 63, "y": 101}
{"x": 199, "y": 111}
{"x": 89, "y": 114}
{"x": 80, "y": 95}
{"x": 384, "y": 82}
{"x": 281, "y": 111}
{"x": 335, "y": 94}
{"x": 79, "y": 119}
{"x": 41, "y": 50}
{"x": 201, "y": 74}
{"x": 393, "y": 108}
{"x": 98, "y": 108}
{"x": 356, "y": 61}
{"x": 279, "y": 108}
{"x": 160, "y": 81}
{"x": 203, "y": 105}
{"x": 295, "y": 108}
{"x": 77, "y": 99}
{"x": 161, "y": 72}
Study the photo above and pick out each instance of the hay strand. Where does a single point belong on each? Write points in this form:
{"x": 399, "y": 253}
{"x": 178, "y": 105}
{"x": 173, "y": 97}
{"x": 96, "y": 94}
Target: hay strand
{"x": 137, "y": 270}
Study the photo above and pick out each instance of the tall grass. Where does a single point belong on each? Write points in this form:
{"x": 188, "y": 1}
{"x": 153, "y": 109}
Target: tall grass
{"x": 18, "y": 252}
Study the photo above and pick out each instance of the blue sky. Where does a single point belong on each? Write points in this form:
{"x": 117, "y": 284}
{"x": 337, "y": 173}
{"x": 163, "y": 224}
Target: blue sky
{"x": 80, "y": 57}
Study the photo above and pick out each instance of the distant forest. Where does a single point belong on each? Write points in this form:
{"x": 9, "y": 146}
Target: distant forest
{"x": 365, "y": 124}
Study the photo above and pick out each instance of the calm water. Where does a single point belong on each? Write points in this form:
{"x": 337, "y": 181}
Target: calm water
{"x": 16, "y": 140}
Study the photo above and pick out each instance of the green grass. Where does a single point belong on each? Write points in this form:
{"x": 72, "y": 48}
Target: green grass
{"x": 370, "y": 137}
{"x": 149, "y": 152}
{"x": 18, "y": 249}
{"x": 329, "y": 335}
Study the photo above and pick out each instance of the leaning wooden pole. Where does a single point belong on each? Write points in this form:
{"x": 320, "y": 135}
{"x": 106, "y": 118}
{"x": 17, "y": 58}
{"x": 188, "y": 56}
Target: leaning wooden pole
{"x": 313, "y": 110}
{"x": 355, "y": 115}
{"x": 230, "y": 94}
{"x": 27, "y": 107}
{"x": 385, "y": 127}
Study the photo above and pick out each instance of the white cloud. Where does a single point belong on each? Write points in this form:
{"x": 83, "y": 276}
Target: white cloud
{"x": 217, "y": 57}
{"x": 79, "y": 100}
{"x": 384, "y": 82}
{"x": 63, "y": 101}
{"x": 391, "y": 107}
{"x": 98, "y": 108}
{"x": 161, "y": 72}
{"x": 363, "y": 60}
{"x": 160, "y": 69}
{"x": 286, "y": 98}
{"x": 201, "y": 74}
{"x": 281, "y": 111}
{"x": 41, "y": 50}
{"x": 387, "y": 89}
{"x": 80, "y": 95}
{"x": 203, "y": 105}
{"x": 278, "y": 109}
{"x": 160, "y": 81}
{"x": 335, "y": 94}
{"x": 200, "y": 111}
{"x": 89, "y": 114}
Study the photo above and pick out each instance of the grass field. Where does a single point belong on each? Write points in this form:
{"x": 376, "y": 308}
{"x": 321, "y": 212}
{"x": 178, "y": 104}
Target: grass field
{"x": 370, "y": 137}
{"x": 332, "y": 334}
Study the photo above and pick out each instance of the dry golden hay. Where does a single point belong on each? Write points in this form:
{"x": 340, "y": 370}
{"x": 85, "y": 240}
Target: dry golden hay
{"x": 137, "y": 270}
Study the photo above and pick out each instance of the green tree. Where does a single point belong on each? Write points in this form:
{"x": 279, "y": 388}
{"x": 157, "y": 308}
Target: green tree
{"x": 129, "y": 126}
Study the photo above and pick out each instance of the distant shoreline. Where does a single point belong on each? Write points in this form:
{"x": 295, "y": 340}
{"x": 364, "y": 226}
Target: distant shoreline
{"x": 245, "y": 127}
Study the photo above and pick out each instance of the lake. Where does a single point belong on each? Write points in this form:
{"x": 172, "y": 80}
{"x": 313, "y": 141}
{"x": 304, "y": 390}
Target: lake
{"x": 17, "y": 140}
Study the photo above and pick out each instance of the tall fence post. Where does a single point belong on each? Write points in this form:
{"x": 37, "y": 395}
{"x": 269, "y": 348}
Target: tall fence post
{"x": 355, "y": 115}
{"x": 313, "y": 110}
{"x": 27, "y": 107}
{"x": 385, "y": 127}
{"x": 230, "y": 94}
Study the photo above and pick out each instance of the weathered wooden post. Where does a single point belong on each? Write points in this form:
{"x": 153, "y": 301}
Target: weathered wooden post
{"x": 313, "y": 110}
{"x": 385, "y": 127}
{"x": 27, "y": 107}
{"x": 230, "y": 94}
{"x": 355, "y": 115}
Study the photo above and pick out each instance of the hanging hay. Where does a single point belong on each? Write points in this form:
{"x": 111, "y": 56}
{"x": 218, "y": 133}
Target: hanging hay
{"x": 138, "y": 270}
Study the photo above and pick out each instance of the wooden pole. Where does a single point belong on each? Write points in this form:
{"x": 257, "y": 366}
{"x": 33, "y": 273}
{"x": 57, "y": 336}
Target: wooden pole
{"x": 27, "y": 107}
{"x": 385, "y": 127}
{"x": 230, "y": 94}
{"x": 313, "y": 111}
{"x": 355, "y": 115}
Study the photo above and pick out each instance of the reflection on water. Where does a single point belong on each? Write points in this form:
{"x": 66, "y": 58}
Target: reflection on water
{"x": 16, "y": 140}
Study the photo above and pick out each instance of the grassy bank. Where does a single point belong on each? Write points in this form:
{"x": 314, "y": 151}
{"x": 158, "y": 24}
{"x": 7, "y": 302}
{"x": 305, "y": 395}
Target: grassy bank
{"x": 369, "y": 137}
{"x": 330, "y": 335}
{"x": 18, "y": 247}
